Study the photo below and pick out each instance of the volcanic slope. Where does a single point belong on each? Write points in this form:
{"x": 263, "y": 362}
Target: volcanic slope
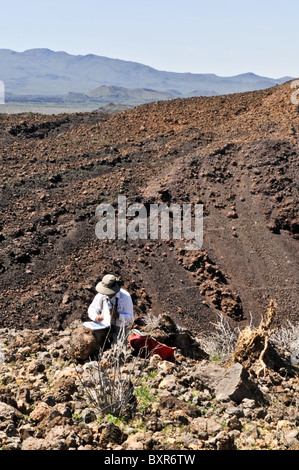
{"x": 235, "y": 154}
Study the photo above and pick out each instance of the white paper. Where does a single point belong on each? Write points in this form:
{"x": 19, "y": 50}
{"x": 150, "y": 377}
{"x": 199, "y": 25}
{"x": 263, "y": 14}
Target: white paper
{"x": 92, "y": 325}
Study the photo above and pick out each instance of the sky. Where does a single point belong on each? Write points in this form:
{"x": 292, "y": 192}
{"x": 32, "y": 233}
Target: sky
{"x": 224, "y": 37}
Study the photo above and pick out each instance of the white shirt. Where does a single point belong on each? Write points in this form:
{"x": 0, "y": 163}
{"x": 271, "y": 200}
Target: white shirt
{"x": 101, "y": 304}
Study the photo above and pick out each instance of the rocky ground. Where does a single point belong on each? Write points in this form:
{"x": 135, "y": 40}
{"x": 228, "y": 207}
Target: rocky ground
{"x": 187, "y": 405}
{"x": 238, "y": 156}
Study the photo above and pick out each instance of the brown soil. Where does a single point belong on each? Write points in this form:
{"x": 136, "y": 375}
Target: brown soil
{"x": 235, "y": 154}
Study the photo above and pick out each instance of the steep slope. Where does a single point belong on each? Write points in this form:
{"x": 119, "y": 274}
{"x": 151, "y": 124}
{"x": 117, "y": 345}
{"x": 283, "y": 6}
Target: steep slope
{"x": 235, "y": 154}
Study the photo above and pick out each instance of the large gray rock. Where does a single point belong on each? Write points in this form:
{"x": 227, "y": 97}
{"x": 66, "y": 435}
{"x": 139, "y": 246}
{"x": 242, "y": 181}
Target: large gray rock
{"x": 235, "y": 385}
{"x": 209, "y": 373}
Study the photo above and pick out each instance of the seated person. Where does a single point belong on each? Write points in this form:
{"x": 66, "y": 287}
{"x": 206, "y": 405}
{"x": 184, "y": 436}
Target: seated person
{"x": 110, "y": 311}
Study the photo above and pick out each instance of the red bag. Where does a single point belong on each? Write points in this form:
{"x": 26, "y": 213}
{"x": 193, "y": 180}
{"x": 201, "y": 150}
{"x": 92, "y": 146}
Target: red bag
{"x": 147, "y": 346}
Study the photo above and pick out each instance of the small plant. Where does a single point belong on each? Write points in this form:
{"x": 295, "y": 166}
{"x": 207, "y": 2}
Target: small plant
{"x": 285, "y": 336}
{"x": 145, "y": 397}
{"x": 151, "y": 320}
{"x": 77, "y": 417}
{"x": 118, "y": 421}
{"x": 112, "y": 379}
{"x": 221, "y": 342}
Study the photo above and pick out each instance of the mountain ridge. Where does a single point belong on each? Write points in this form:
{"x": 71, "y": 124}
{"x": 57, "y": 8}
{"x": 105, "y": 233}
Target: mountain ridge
{"x": 41, "y": 71}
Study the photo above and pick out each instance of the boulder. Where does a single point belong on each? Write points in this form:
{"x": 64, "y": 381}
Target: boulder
{"x": 169, "y": 405}
{"x": 82, "y": 343}
{"x": 9, "y": 413}
{"x": 205, "y": 427}
{"x": 235, "y": 385}
{"x": 34, "y": 443}
{"x": 111, "y": 434}
{"x": 41, "y": 411}
{"x": 208, "y": 373}
{"x": 139, "y": 441}
{"x": 63, "y": 389}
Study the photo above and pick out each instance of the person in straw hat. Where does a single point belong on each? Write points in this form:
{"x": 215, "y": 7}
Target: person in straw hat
{"x": 111, "y": 311}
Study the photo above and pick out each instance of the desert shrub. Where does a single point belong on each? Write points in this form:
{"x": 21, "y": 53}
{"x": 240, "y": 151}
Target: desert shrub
{"x": 109, "y": 382}
{"x": 286, "y": 337}
{"x": 221, "y": 342}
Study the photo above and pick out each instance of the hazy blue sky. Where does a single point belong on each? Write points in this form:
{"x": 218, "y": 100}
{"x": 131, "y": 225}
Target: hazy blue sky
{"x": 225, "y": 37}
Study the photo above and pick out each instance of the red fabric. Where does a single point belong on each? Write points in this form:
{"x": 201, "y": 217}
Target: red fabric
{"x": 149, "y": 346}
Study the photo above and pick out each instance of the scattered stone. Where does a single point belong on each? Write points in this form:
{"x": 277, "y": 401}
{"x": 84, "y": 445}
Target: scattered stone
{"x": 235, "y": 385}
{"x": 187, "y": 405}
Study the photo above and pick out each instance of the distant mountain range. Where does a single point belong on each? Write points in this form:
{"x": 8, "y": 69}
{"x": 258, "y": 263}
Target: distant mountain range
{"x": 45, "y": 73}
